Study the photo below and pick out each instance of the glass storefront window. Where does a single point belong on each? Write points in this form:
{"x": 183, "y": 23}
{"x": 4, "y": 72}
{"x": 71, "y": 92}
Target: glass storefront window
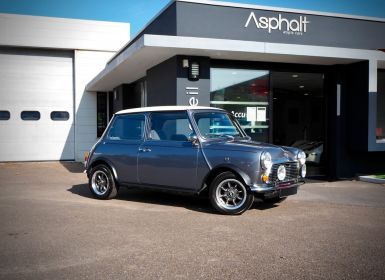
{"x": 244, "y": 93}
{"x": 380, "y": 128}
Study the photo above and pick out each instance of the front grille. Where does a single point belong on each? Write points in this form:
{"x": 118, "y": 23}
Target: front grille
{"x": 292, "y": 171}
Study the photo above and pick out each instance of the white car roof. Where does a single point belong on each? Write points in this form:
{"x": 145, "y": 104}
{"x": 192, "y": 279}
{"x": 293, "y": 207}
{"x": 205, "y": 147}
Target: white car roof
{"x": 165, "y": 108}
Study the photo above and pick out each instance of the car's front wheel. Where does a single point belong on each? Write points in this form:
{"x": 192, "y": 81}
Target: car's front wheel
{"x": 102, "y": 183}
{"x": 229, "y": 195}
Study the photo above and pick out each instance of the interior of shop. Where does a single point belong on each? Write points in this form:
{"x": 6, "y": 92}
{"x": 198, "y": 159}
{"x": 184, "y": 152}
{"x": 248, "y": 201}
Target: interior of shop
{"x": 299, "y": 115}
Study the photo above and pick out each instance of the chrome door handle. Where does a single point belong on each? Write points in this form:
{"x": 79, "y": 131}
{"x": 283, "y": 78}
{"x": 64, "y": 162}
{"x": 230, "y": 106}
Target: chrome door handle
{"x": 144, "y": 150}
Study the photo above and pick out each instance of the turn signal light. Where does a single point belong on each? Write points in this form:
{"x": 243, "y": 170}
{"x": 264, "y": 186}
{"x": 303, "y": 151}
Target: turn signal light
{"x": 265, "y": 178}
{"x": 86, "y": 155}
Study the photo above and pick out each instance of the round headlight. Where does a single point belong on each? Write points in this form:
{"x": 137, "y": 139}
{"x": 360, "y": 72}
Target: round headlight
{"x": 303, "y": 171}
{"x": 281, "y": 173}
{"x": 301, "y": 157}
{"x": 266, "y": 161}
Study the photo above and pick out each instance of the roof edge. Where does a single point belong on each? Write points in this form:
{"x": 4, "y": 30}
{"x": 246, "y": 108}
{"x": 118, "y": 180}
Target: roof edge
{"x": 279, "y": 9}
{"x": 166, "y": 108}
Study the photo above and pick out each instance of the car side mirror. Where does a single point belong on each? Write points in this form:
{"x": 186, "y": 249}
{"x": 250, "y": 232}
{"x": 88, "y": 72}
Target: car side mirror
{"x": 193, "y": 138}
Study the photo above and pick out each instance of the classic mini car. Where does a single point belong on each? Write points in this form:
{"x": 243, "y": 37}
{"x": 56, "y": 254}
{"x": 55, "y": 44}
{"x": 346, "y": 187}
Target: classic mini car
{"x": 194, "y": 150}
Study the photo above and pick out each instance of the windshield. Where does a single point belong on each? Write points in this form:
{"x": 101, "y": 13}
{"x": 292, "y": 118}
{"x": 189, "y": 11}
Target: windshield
{"x": 217, "y": 124}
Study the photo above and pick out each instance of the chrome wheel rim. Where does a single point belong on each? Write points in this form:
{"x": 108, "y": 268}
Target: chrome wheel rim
{"x": 231, "y": 194}
{"x": 100, "y": 182}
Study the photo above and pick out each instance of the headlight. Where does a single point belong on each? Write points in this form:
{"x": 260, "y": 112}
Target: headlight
{"x": 281, "y": 173}
{"x": 266, "y": 161}
{"x": 301, "y": 157}
{"x": 303, "y": 171}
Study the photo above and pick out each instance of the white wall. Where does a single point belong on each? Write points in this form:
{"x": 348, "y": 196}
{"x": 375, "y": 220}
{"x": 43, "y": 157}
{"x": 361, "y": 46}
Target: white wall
{"x": 92, "y": 44}
{"x": 61, "y": 33}
{"x": 87, "y": 65}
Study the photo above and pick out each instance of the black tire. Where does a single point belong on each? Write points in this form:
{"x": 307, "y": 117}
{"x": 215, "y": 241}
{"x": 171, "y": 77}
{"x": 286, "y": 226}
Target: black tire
{"x": 229, "y": 194}
{"x": 102, "y": 183}
{"x": 274, "y": 200}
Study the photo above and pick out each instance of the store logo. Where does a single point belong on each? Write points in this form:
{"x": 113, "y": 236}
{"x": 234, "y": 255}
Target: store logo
{"x": 239, "y": 115}
{"x": 193, "y": 93}
{"x": 293, "y": 26}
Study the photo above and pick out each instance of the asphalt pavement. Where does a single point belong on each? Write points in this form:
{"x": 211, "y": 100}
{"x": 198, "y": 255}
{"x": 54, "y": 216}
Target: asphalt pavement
{"x": 51, "y": 228}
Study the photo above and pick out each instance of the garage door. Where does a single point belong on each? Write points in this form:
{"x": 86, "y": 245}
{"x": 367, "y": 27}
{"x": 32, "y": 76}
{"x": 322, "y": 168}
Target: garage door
{"x": 36, "y": 105}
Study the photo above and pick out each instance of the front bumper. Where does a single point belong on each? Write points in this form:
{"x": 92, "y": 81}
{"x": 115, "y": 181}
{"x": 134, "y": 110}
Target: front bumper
{"x": 277, "y": 189}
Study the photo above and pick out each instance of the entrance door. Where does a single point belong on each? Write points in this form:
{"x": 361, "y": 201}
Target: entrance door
{"x": 168, "y": 159}
{"x": 299, "y": 115}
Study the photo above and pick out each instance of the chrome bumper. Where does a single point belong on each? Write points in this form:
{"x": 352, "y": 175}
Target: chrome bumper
{"x": 266, "y": 188}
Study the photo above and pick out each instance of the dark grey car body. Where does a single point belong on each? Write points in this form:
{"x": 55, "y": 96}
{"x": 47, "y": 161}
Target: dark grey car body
{"x": 190, "y": 166}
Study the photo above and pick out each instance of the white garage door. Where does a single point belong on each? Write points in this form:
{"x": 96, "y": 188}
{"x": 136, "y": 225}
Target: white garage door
{"x": 36, "y": 93}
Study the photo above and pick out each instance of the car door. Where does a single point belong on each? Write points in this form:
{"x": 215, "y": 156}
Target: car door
{"x": 122, "y": 143}
{"x": 167, "y": 158}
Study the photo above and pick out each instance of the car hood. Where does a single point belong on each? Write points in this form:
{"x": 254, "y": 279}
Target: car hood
{"x": 278, "y": 153}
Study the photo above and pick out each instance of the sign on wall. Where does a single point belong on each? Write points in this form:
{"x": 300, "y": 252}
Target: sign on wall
{"x": 296, "y": 26}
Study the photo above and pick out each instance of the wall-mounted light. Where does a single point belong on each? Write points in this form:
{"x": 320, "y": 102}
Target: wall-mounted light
{"x": 193, "y": 73}
{"x": 185, "y": 63}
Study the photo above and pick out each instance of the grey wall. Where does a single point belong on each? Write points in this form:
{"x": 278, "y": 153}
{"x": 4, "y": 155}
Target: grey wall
{"x": 228, "y": 23}
{"x": 186, "y": 88}
{"x": 168, "y": 83}
{"x": 347, "y": 138}
{"x": 161, "y": 83}
{"x": 117, "y": 98}
{"x": 164, "y": 24}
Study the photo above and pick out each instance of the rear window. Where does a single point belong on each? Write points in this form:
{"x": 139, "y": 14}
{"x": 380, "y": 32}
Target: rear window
{"x": 127, "y": 127}
{"x": 5, "y": 115}
{"x": 30, "y": 115}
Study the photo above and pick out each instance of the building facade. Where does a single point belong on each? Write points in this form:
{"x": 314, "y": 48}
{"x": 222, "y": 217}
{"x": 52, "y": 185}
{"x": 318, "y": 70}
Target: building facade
{"x": 291, "y": 77}
{"x": 45, "y": 64}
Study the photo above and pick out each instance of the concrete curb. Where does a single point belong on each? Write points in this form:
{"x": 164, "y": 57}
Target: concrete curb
{"x": 371, "y": 179}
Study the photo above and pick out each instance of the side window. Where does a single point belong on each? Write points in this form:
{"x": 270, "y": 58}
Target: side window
{"x": 5, "y": 115}
{"x": 60, "y": 116}
{"x": 127, "y": 127}
{"x": 30, "y": 115}
{"x": 174, "y": 126}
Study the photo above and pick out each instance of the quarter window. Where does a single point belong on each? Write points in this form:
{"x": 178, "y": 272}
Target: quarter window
{"x": 30, "y": 115}
{"x": 60, "y": 116}
{"x": 127, "y": 127}
{"x": 5, "y": 115}
{"x": 173, "y": 126}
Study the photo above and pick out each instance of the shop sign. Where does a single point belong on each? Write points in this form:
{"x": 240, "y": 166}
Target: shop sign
{"x": 193, "y": 93}
{"x": 287, "y": 26}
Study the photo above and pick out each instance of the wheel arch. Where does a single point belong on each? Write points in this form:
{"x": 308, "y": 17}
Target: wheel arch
{"x": 106, "y": 162}
{"x": 223, "y": 168}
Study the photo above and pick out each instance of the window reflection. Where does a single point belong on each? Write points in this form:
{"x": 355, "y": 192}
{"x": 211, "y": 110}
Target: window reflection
{"x": 244, "y": 93}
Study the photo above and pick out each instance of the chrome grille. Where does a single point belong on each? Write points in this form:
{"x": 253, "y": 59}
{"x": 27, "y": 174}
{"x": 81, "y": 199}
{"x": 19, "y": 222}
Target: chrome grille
{"x": 292, "y": 171}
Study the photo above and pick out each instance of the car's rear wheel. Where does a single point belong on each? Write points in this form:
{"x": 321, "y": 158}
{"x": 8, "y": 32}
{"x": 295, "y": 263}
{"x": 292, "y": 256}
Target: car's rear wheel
{"x": 229, "y": 195}
{"x": 102, "y": 183}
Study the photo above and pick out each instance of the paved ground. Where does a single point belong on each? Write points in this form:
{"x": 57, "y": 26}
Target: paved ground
{"x": 50, "y": 228}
